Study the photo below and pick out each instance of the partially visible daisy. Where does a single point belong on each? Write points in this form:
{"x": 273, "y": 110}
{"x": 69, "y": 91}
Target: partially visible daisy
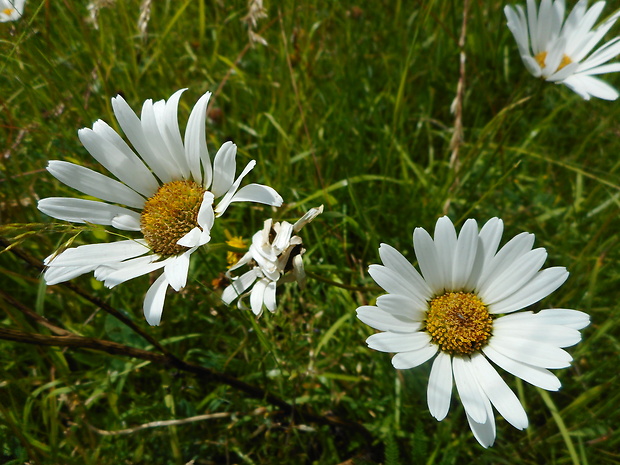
{"x": 557, "y": 50}
{"x": 461, "y": 311}
{"x": 168, "y": 196}
{"x": 11, "y": 10}
{"x": 274, "y": 252}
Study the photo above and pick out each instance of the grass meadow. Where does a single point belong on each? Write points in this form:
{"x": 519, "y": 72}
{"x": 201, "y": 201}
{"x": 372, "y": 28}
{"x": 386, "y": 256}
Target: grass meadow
{"x": 347, "y": 105}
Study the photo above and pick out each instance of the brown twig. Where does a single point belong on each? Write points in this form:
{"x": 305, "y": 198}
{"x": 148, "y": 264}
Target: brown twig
{"x": 255, "y": 392}
{"x": 81, "y": 292}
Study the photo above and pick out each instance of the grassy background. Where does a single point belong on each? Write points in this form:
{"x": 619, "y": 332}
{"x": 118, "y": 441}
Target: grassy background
{"x": 349, "y": 106}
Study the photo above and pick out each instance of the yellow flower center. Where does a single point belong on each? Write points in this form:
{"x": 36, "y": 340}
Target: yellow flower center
{"x": 169, "y": 215}
{"x": 8, "y": 11}
{"x": 542, "y": 56}
{"x": 459, "y": 323}
{"x": 233, "y": 257}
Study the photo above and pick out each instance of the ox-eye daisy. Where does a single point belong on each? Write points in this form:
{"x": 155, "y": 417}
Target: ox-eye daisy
{"x": 274, "y": 252}
{"x": 170, "y": 204}
{"x": 11, "y": 10}
{"x": 557, "y": 50}
{"x": 461, "y": 311}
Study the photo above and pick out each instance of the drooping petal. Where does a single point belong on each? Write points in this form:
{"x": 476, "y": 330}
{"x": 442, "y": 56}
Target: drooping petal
{"x": 439, "y": 390}
{"x": 258, "y": 193}
{"x": 257, "y": 296}
{"x": 227, "y": 199}
{"x": 154, "y": 300}
{"x": 484, "y": 432}
{"x": 239, "y": 286}
{"x": 176, "y": 270}
{"x": 468, "y": 388}
{"x": 498, "y": 392}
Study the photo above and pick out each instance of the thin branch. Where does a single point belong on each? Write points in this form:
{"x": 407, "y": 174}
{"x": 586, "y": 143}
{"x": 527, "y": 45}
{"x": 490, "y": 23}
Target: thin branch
{"x": 304, "y": 413}
{"x": 158, "y": 424}
{"x": 37, "y": 264}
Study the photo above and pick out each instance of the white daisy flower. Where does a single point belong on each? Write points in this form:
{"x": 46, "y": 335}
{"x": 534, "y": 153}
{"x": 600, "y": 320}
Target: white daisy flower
{"x": 461, "y": 310}
{"x": 556, "y": 50}
{"x": 170, "y": 204}
{"x": 273, "y": 253}
{"x": 11, "y": 10}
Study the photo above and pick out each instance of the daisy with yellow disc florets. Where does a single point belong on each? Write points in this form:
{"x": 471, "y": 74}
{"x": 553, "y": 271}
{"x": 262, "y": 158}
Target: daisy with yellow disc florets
{"x": 166, "y": 193}
{"x": 462, "y": 311}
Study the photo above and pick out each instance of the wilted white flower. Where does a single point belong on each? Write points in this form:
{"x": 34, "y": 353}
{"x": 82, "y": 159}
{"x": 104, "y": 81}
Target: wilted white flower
{"x": 170, "y": 204}
{"x": 557, "y": 50}
{"x": 461, "y": 310}
{"x": 274, "y": 252}
{"x": 11, "y": 10}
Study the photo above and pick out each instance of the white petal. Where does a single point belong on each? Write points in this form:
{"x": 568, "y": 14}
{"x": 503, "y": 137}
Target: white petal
{"x": 132, "y": 127}
{"x": 270, "y": 296}
{"x": 92, "y": 183}
{"x": 534, "y": 375}
{"x": 392, "y": 282}
{"x": 113, "y": 274}
{"x": 60, "y": 274}
{"x": 498, "y": 392}
{"x": 513, "y": 277}
{"x": 83, "y": 211}
{"x": 258, "y": 193}
{"x": 484, "y": 432}
{"x": 403, "y": 307}
{"x": 383, "y": 321}
{"x": 514, "y": 248}
{"x": 543, "y": 284}
{"x": 398, "y": 342}
{"x": 127, "y": 222}
{"x": 224, "y": 166}
{"x": 154, "y": 301}
{"x": 592, "y": 86}
{"x": 308, "y": 216}
{"x": 192, "y": 239}
{"x": 488, "y": 240}
{"x": 468, "y": 389}
{"x": 464, "y": 255}
{"x": 176, "y": 270}
{"x": 196, "y": 152}
{"x": 445, "y": 244}
{"x": 565, "y": 317}
{"x": 428, "y": 260}
{"x": 155, "y": 142}
{"x": 109, "y": 149}
{"x": 239, "y": 286}
{"x": 168, "y": 123}
{"x": 539, "y": 354}
{"x": 206, "y": 216}
{"x": 97, "y": 254}
{"x": 406, "y": 360}
{"x": 394, "y": 260}
{"x": 256, "y": 296}
{"x": 227, "y": 199}
{"x": 560, "y": 336}
{"x": 439, "y": 390}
